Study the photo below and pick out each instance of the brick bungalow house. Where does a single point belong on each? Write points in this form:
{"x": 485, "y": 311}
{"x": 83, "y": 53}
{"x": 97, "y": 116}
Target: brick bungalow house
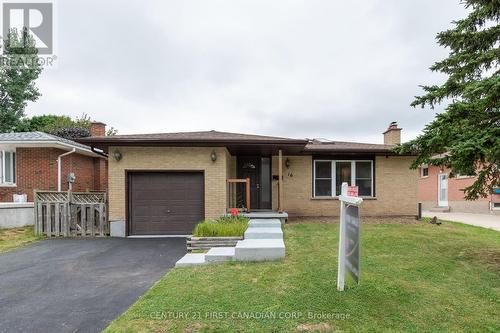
{"x": 37, "y": 160}
{"x": 163, "y": 184}
{"x": 438, "y": 192}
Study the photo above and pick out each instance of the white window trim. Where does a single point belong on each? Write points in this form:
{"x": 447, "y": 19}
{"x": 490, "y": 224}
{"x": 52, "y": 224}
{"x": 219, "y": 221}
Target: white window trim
{"x": 422, "y": 171}
{"x": 334, "y": 180}
{"x": 3, "y": 183}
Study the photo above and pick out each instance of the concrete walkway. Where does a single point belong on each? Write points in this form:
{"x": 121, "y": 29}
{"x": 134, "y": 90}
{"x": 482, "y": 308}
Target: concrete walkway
{"x": 489, "y": 221}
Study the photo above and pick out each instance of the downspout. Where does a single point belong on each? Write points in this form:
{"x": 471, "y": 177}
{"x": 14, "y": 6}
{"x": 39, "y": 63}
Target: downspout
{"x": 59, "y": 167}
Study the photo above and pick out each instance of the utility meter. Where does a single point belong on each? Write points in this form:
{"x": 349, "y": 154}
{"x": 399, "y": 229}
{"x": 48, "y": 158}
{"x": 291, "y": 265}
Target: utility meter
{"x": 71, "y": 177}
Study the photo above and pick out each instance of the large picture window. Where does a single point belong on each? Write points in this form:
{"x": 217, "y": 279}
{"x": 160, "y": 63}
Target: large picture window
{"x": 7, "y": 167}
{"x": 330, "y": 174}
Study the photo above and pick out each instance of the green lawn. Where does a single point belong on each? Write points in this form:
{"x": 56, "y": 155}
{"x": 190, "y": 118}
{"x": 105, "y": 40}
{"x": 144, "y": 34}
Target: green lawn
{"x": 16, "y": 237}
{"x": 415, "y": 277}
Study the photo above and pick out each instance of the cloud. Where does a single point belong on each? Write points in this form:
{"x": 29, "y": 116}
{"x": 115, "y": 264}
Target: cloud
{"x": 338, "y": 70}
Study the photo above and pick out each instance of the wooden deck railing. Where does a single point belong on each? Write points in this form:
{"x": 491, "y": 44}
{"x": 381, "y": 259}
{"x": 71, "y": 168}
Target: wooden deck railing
{"x": 238, "y": 194}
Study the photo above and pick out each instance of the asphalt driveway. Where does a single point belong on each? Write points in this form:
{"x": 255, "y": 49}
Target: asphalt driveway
{"x": 79, "y": 285}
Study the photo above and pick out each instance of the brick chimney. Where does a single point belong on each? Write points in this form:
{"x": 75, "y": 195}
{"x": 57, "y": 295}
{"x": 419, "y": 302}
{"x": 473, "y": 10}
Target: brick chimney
{"x": 97, "y": 129}
{"x": 392, "y": 136}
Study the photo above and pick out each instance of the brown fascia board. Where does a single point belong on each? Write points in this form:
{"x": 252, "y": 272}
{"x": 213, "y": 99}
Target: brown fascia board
{"x": 121, "y": 142}
{"x": 354, "y": 151}
{"x": 110, "y": 141}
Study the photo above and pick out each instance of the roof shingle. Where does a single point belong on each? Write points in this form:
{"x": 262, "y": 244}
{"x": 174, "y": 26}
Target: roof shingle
{"x": 190, "y": 137}
{"x": 39, "y": 137}
{"x": 342, "y": 146}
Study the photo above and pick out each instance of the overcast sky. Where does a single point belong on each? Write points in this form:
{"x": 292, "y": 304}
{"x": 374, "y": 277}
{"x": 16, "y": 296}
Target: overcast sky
{"x": 340, "y": 70}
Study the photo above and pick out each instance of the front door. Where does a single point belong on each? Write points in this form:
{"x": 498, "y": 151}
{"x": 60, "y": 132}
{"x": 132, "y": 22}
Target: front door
{"x": 258, "y": 169}
{"x": 443, "y": 190}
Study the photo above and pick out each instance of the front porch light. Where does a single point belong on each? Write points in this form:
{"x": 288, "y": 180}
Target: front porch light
{"x": 287, "y": 163}
{"x": 213, "y": 156}
{"x": 117, "y": 155}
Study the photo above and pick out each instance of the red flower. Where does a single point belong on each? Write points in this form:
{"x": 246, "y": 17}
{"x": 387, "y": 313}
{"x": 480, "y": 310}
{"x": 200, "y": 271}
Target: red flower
{"x": 234, "y": 212}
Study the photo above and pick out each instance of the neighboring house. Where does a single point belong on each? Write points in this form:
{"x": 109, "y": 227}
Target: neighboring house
{"x": 163, "y": 184}
{"x": 39, "y": 161}
{"x": 438, "y": 192}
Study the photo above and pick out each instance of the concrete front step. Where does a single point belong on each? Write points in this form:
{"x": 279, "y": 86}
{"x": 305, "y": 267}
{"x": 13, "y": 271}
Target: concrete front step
{"x": 191, "y": 259}
{"x": 263, "y": 233}
{"x": 259, "y": 250}
{"x": 283, "y": 217}
{"x": 440, "y": 209}
{"x": 220, "y": 254}
{"x": 267, "y": 223}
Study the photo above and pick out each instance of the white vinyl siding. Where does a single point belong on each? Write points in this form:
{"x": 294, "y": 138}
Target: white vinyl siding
{"x": 328, "y": 176}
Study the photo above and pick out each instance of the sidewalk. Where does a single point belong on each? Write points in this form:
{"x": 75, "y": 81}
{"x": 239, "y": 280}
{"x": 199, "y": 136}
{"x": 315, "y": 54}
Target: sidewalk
{"x": 480, "y": 220}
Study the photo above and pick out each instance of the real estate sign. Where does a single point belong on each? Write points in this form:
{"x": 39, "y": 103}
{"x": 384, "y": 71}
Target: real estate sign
{"x": 352, "y": 191}
{"x": 352, "y": 241}
{"x": 349, "y": 240}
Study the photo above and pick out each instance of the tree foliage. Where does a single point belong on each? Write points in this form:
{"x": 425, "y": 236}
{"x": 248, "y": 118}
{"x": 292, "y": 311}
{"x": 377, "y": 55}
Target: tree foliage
{"x": 19, "y": 69}
{"x": 46, "y": 123}
{"x": 466, "y": 136}
{"x": 62, "y": 126}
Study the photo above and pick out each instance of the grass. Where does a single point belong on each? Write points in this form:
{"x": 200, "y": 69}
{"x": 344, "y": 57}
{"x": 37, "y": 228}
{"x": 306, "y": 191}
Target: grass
{"x": 222, "y": 227}
{"x": 414, "y": 277}
{"x": 16, "y": 237}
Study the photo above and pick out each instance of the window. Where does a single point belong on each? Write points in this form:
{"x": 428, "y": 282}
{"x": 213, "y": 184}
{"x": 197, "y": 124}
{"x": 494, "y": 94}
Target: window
{"x": 364, "y": 178}
{"x": 424, "y": 171}
{"x": 342, "y": 175}
{"x": 329, "y": 176}
{"x": 323, "y": 179}
{"x": 7, "y": 167}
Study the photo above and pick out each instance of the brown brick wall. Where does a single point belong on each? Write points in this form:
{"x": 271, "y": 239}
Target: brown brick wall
{"x": 428, "y": 186}
{"x": 36, "y": 168}
{"x": 97, "y": 129}
{"x": 395, "y": 189}
{"x": 169, "y": 158}
{"x": 428, "y": 193}
{"x": 100, "y": 174}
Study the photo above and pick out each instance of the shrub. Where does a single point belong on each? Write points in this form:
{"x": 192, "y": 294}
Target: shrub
{"x": 225, "y": 226}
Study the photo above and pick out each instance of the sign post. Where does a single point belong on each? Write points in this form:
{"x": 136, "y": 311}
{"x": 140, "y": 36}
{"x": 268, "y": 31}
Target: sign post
{"x": 349, "y": 239}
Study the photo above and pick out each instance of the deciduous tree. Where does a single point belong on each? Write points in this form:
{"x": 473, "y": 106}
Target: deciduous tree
{"x": 19, "y": 69}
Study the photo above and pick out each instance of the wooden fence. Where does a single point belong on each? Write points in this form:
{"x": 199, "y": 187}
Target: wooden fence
{"x": 70, "y": 214}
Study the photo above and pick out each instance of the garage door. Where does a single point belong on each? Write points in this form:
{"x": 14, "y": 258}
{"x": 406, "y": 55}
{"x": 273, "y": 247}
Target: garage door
{"x": 165, "y": 203}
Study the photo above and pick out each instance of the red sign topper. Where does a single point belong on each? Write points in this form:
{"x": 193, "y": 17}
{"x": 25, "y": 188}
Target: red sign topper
{"x": 352, "y": 191}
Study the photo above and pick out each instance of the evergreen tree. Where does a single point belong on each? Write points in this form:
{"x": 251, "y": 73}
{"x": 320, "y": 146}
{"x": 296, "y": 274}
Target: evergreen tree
{"x": 466, "y": 136}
